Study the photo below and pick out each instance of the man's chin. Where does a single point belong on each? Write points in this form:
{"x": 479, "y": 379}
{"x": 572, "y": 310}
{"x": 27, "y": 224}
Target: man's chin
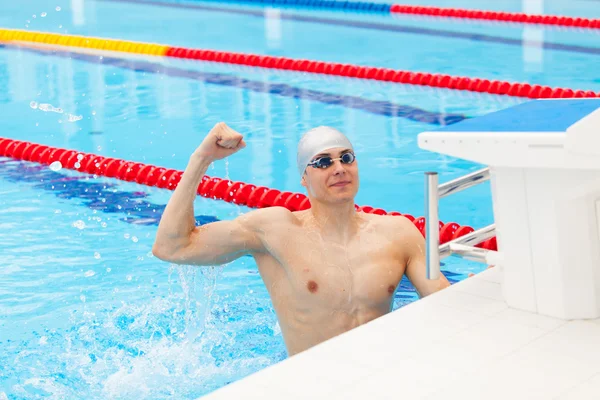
{"x": 342, "y": 198}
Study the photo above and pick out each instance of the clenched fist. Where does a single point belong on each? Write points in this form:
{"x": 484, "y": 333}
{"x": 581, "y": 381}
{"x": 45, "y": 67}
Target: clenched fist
{"x": 221, "y": 142}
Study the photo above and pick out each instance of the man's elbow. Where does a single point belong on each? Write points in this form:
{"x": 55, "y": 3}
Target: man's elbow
{"x": 162, "y": 252}
{"x": 443, "y": 284}
{"x": 158, "y": 252}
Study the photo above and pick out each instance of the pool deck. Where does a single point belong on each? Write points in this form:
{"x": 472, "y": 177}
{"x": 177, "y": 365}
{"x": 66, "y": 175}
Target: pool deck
{"x": 461, "y": 343}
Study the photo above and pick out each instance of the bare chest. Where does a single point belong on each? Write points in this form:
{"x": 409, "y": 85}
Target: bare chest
{"x": 364, "y": 273}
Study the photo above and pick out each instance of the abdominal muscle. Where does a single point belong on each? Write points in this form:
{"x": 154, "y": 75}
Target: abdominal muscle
{"x": 310, "y": 312}
{"x": 305, "y": 329}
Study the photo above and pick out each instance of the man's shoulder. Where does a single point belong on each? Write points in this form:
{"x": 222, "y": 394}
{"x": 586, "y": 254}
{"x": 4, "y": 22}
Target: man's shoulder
{"x": 395, "y": 225}
{"x": 266, "y": 216}
{"x": 390, "y": 220}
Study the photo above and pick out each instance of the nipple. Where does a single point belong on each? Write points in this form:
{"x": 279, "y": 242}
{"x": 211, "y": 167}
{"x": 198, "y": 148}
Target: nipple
{"x": 312, "y": 286}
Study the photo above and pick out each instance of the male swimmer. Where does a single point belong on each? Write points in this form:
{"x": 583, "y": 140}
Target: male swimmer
{"x": 327, "y": 269}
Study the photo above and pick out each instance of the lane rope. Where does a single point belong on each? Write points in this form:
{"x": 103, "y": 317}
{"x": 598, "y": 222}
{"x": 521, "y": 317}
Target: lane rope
{"x": 240, "y": 193}
{"x": 522, "y": 18}
{"x": 432, "y": 11}
{"x": 444, "y": 81}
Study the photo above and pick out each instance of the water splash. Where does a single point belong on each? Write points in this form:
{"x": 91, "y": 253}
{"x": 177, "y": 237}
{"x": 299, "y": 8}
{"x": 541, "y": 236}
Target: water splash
{"x": 55, "y": 166}
{"x": 79, "y": 224}
{"x": 74, "y": 118}
{"x": 47, "y": 107}
{"x": 183, "y": 344}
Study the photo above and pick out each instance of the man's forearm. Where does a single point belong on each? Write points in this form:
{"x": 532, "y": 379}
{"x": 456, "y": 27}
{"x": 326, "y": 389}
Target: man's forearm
{"x": 177, "y": 221}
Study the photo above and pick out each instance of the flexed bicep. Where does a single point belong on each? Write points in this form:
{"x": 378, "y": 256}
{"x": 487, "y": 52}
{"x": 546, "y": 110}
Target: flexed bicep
{"x": 215, "y": 243}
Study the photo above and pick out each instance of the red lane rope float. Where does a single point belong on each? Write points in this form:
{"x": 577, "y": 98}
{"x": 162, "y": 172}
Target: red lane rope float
{"x": 523, "y": 18}
{"x": 210, "y": 187}
{"x": 381, "y": 74}
{"x": 300, "y": 65}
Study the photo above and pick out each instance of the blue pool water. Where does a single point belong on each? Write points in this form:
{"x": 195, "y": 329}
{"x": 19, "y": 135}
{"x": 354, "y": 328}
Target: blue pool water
{"x": 86, "y": 311}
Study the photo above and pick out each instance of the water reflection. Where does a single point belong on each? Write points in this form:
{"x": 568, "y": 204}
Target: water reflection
{"x": 157, "y": 112}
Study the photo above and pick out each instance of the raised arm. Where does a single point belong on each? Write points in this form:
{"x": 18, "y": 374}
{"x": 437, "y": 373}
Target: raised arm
{"x": 416, "y": 269}
{"x": 178, "y": 240}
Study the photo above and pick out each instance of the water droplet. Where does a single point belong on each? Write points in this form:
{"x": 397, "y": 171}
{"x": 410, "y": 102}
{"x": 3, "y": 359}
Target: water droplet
{"x": 126, "y": 235}
{"x": 77, "y": 165}
{"x": 89, "y": 273}
{"x": 97, "y": 255}
{"x": 43, "y": 340}
{"x": 79, "y": 224}
{"x": 33, "y": 105}
{"x": 74, "y": 118}
{"x": 108, "y": 269}
{"x": 99, "y": 148}
{"x": 82, "y": 298}
{"x": 60, "y": 26}
{"x": 103, "y": 224}
{"x": 34, "y": 16}
{"x": 129, "y": 277}
{"x": 134, "y": 239}
{"x": 140, "y": 258}
{"x": 43, "y": 14}
{"x": 57, "y": 211}
{"x": 57, "y": 8}
{"x": 55, "y": 166}
{"x": 80, "y": 157}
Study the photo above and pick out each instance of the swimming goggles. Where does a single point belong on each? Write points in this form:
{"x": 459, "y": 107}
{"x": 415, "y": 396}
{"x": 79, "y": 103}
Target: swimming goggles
{"x": 325, "y": 162}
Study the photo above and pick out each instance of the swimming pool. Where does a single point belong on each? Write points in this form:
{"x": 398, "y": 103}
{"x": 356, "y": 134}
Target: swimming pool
{"x": 85, "y": 309}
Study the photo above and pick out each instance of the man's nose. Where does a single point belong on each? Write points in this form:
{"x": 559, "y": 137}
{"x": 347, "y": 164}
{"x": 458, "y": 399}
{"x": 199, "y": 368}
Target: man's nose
{"x": 338, "y": 168}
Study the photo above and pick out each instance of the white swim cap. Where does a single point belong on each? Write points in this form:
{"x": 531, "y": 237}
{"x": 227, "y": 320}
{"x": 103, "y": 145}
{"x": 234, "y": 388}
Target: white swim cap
{"x": 316, "y": 141}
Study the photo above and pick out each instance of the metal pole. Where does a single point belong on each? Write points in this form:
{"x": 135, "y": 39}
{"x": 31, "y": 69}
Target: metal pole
{"x": 464, "y": 182}
{"x": 432, "y": 231}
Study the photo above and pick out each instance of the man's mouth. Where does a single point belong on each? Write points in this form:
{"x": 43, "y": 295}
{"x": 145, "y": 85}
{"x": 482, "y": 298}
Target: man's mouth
{"x": 341, "y": 183}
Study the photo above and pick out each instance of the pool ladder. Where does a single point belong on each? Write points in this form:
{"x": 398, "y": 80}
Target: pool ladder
{"x": 464, "y": 245}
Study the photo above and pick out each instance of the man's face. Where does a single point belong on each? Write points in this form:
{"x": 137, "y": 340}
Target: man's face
{"x": 334, "y": 176}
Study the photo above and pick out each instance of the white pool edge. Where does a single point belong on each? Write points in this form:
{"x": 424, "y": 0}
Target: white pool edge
{"x": 461, "y": 343}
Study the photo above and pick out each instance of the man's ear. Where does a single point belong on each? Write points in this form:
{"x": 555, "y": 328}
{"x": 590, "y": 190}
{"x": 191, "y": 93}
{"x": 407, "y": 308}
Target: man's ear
{"x": 303, "y": 180}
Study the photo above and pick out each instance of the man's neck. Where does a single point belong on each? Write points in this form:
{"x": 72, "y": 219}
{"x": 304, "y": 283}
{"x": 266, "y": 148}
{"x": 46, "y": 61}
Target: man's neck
{"x": 337, "y": 222}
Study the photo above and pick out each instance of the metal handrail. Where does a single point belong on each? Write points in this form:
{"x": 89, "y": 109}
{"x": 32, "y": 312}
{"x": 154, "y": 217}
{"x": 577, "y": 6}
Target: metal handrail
{"x": 463, "y": 182}
{"x": 469, "y": 239}
{"x": 461, "y": 246}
